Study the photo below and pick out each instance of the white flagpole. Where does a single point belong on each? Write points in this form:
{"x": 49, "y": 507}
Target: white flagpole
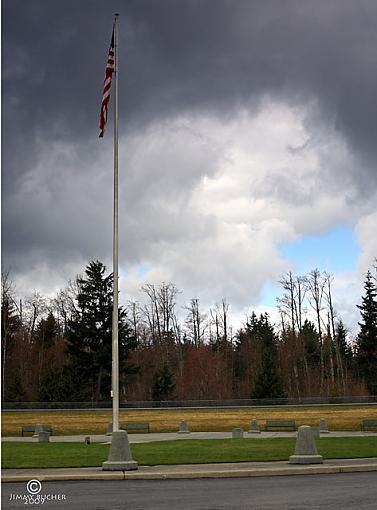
{"x": 120, "y": 455}
{"x": 115, "y": 344}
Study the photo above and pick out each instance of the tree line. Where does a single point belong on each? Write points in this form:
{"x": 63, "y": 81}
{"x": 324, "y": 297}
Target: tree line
{"x": 59, "y": 349}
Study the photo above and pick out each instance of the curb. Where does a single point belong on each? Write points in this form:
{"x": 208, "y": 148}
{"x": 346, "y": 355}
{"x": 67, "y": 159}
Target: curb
{"x": 146, "y": 474}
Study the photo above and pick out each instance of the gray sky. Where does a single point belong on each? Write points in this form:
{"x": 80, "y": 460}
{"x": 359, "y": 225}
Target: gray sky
{"x": 244, "y": 126}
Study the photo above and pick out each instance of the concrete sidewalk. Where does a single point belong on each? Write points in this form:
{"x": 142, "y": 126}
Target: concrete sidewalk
{"x": 223, "y": 470}
{"x": 170, "y": 436}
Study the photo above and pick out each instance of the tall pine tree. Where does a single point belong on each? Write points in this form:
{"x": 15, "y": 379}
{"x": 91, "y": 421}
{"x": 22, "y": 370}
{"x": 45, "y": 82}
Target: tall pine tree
{"x": 89, "y": 334}
{"x": 367, "y": 338}
{"x": 268, "y": 383}
{"x": 341, "y": 337}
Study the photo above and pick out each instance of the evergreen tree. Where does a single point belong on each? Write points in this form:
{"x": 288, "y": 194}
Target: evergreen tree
{"x": 10, "y": 321}
{"x": 240, "y": 361}
{"x": 47, "y": 331}
{"x": 10, "y": 327}
{"x": 310, "y": 339}
{"x": 245, "y": 346}
{"x": 341, "y": 337}
{"x": 89, "y": 334}
{"x": 163, "y": 384}
{"x": 367, "y": 338}
{"x": 15, "y": 391}
{"x": 268, "y": 383}
{"x": 62, "y": 386}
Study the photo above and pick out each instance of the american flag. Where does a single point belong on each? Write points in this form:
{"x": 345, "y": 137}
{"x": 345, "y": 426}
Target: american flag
{"x": 110, "y": 68}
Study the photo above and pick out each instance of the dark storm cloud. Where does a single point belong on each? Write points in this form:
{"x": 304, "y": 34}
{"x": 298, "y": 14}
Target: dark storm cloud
{"x": 187, "y": 54}
{"x": 176, "y": 56}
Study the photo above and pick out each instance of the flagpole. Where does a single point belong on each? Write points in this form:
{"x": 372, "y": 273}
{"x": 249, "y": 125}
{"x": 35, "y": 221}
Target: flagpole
{"x": 115, "y": 344}
{"x": 120, "y": 455}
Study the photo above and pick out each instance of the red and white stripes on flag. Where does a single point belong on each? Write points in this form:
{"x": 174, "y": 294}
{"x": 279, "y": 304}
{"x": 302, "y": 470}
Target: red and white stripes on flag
{"x": 110, "y": 68}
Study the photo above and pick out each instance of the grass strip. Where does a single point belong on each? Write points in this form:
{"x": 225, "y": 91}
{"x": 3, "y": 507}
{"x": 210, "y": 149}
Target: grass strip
{"x": 191, "y": 451}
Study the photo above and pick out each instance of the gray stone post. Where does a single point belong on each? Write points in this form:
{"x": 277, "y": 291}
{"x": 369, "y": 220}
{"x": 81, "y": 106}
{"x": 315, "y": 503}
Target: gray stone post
{"x": 38, "y": 429}
{"x": 183, "y": 427}
{"x": 254, "y": 427}
{"x": 43, "y": 437}
{"x": 323, "y": 428}
{"x": 237, "y": 433}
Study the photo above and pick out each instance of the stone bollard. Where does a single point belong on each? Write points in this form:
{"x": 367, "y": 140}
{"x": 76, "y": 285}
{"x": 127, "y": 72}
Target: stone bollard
{"x": 323, "y": 428}
{"x": 183, "y": 427}
{"x": 254, "y": 427}
{"x": 306, "y": 449}
{"x": 109, "y": 429}
{"x": 87, "y": 440}
{"x": 38, "y": 428}
{"x": 43, "y": 437}
{"x": 237, "y": 433}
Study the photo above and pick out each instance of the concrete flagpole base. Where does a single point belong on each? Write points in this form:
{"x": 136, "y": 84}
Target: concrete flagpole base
{"x": 120, "y": 456}
{"x": 306, "y": 459}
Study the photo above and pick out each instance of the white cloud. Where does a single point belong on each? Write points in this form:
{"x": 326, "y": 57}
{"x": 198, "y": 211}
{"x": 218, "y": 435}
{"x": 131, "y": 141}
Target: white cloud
{"x": 366, "y": 230}
{"x": 256, "y": 182}
{"x": 205, "y": 203}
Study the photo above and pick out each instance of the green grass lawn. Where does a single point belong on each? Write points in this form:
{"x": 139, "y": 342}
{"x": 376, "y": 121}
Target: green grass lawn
{"x": 191, "y": 451}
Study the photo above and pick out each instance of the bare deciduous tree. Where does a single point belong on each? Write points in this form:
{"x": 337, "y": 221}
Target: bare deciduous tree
{"x": 196, "y": 322}
{"x": 35, "y": 307}
{"x": 160, "y": 311}
{"x": 339, "y": 362}
{"x": 316, "y": 284}
{"x": 64, "y": 303}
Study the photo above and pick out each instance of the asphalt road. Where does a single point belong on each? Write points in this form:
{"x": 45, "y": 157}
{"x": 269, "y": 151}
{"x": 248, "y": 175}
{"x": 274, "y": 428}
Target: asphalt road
{"x": 331, "y": 492}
